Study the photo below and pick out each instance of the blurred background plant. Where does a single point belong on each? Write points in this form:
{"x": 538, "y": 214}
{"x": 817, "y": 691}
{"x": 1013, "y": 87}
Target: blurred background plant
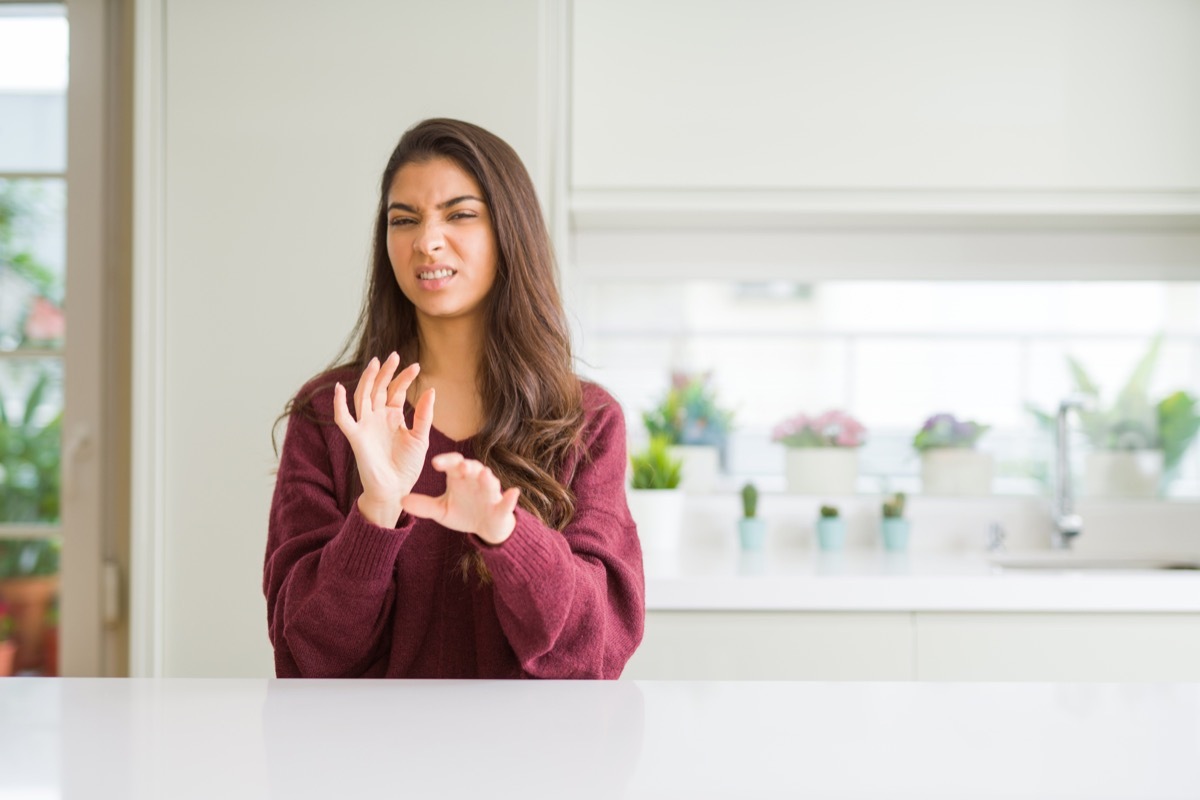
{"x": 688, "y": 413}
{"x": 893, "y": 506}
{"x": 654, "y": 468}
{"x": 946, "y": 430}
{"x": 831, "y": 429}
{"x": 1133, "y": 421}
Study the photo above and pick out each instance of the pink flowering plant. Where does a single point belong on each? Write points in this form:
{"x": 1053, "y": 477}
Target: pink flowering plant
{"x": 831, "y": 429}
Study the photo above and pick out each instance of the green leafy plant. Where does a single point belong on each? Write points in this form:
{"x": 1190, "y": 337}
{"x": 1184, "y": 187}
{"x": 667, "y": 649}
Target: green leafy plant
{"x": 829, "y": 512}
{"x": 1134, "y": 421}
{"x": 749, "y": 501}
{"x": 30, "y": 461}
{"x": 654, "y": 468}
{"x": 893, "y": 506}
{"x": 946, "y": 430}
{"x": 688, "y": 413}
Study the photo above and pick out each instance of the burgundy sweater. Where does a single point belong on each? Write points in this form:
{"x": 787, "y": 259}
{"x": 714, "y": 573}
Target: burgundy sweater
{"x": 347, "y": 598}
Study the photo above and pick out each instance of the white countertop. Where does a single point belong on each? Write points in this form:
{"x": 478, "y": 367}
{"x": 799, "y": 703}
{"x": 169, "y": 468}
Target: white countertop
{"x": 105, "y": 739}
{"x": 715, "y": 578}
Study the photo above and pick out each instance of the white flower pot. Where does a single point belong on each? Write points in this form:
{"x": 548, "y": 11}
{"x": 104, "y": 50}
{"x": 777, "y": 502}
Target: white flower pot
{"x": 1122, "y": 473}
{"x": 955, "y": 471}
{"x": 658, "y": 514}
{"x": 701, "y": 463}
{"x": 822, "y": 470}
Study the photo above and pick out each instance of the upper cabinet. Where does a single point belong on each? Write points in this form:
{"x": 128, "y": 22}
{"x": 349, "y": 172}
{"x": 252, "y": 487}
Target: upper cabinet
{"x": 1013, "y": 109}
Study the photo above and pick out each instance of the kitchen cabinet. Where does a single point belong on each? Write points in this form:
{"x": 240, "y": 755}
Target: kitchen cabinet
{"x": 1057, "y": 647}
{"x": 922, "y": 645}
{"x": 872, "y": 96}
{"x": 774, "y": 645}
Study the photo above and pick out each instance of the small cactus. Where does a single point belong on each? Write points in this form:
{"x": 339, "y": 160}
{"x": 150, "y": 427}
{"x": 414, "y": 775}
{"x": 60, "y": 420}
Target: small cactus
{"x": 893, "y": 506}
{"x": 749, "y": 500}
{"x": 829, "y": 512}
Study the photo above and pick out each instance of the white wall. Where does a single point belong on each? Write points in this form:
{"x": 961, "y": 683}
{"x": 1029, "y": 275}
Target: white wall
{"x": 279, "y": 117}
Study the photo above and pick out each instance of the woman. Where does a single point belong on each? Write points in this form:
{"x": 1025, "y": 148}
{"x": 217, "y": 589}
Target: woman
{"x": 464, "y": 516}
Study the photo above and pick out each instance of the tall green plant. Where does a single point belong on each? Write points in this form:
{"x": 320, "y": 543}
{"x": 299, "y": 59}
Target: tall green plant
{"x": 1134, "y": 421}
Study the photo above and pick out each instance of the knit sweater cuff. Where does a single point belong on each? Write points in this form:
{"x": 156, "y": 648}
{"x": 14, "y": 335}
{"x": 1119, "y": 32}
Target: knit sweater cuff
{"x": 527, "y": 554}
{"x": 366, "y": 551}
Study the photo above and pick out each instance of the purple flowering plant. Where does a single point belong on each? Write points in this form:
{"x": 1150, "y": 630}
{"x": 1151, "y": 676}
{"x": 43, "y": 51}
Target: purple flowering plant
{"x": 946, "y": 430}
{"x": 831, "y": 429}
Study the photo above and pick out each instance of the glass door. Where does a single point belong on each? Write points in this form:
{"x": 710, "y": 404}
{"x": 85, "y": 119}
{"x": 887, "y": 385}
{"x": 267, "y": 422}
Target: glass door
{"x": 33, "y": 302}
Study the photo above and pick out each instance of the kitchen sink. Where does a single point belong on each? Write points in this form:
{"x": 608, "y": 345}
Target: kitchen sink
{"x": 1066, "y": 560}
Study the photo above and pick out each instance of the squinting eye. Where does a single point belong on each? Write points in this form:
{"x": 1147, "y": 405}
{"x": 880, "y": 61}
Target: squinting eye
{"x": 398, "y": 221}
{"x": 463, "y": 215}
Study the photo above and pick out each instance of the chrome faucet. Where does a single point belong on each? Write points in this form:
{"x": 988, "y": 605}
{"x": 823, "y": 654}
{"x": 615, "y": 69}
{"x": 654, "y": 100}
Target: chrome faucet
{"x": 1067, "y": 523}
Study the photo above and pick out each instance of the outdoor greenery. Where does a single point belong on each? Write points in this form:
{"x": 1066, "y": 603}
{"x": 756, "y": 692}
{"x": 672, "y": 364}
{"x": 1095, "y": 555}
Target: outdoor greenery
{"x": 30, "y": 460}
{"x": 27, "y": 558}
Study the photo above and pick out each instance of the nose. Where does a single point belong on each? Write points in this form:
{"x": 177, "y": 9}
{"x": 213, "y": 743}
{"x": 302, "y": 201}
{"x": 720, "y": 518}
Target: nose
{"x": 429, "y": 239}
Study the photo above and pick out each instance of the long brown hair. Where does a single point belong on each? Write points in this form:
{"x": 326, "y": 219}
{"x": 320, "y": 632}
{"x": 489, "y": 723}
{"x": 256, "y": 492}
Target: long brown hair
{"x": 531, "y": 397}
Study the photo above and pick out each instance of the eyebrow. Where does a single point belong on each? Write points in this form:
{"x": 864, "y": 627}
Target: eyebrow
{"x": 452, "y": 202}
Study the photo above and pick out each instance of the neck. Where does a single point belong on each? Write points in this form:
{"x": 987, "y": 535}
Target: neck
{"x": 451, "y": 349}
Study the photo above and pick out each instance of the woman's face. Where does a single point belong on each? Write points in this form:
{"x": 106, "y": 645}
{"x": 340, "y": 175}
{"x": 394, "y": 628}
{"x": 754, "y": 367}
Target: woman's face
{"x": 440, "y": 238}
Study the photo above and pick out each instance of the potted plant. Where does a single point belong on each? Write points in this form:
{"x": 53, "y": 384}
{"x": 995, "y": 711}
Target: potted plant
{"x": 894, "y": 526}
{"x": 694, "y": 426}
{"x": 950, "y": 464}
{"x": 831, "y": 529}
{"x": 28, "y": 585}
{"x": 1137, "y": 443}
{"x": 752, "y": 529}
{"x": 822, "y": 452}
{"x": 655, "y": 499}
{"x": 8, "y": 647}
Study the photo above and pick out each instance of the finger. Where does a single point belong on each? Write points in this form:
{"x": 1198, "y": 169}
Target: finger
{"x": 365, "y": 380}
{"x": 508, "y": 500}
{"x": 341, "y": 412}
{"x": 424, "y": 506}
{"x": 446, "y": 461}
{"x": 388, "y": 369}
{"x": 398, "y": 388}
{"x": 423, "y": 415}
{"x": 469, "y": 469}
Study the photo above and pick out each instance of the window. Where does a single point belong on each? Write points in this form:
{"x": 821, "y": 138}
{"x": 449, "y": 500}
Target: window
{"x": 893, "y": 354}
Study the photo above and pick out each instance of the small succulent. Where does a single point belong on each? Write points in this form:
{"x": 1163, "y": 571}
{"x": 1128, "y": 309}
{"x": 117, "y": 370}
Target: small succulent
{"x": 829, "y": 512}
{"x": 749, "y": 500}
{"x": 893, "y": 506}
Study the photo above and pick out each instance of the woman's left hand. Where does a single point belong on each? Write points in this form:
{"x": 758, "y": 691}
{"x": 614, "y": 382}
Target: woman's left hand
{"x": 473, "y": 502}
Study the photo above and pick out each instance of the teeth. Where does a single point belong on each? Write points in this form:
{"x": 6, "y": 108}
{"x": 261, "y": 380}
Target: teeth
{"x": 441, "y": 273}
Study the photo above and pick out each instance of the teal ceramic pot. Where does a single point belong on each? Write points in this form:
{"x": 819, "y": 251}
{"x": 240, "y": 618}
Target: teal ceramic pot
{"x": 753, "y": 533}
{"x": 895, "y": 534}
{"x": 831, "y": 533}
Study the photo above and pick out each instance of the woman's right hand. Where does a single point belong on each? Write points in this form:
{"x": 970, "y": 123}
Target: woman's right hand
{"x": 390, "y": 456}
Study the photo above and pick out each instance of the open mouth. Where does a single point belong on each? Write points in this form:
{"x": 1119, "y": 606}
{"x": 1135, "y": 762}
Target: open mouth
{"x": 437, "y": 274}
